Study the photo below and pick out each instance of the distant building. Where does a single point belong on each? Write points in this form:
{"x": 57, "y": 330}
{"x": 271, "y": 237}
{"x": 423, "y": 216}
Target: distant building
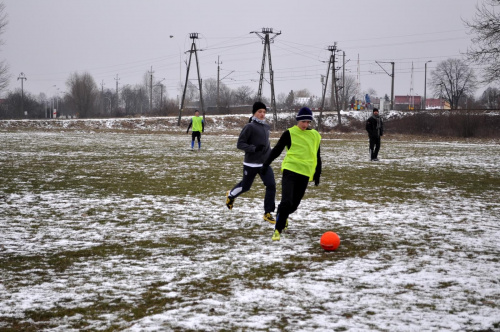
{"x": 375, "y": 103}
{"x": 403, "y": 103}
{"x": 437, "y": 104}
{"x": 303, "y": 101}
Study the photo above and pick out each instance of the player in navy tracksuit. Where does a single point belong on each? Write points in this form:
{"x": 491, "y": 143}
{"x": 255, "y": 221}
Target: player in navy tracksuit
{"x": 254, "y": 140}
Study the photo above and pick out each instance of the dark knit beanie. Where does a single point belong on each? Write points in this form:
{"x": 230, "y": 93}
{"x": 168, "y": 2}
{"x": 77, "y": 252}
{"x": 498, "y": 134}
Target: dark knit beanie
{"x": 305, "y": 114}
{"x": 375, "y": 110}
{"x": 257, "y": 106}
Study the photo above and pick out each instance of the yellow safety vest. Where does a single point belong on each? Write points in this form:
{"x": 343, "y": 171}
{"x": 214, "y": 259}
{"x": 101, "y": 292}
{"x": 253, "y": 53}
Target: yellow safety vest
{"x": 197, "y": 123}
{"x": 301, "y": 158}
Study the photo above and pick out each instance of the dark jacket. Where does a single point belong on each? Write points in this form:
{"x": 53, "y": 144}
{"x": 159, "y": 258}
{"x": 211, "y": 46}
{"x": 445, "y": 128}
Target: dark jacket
{"x": 254, "y": 140}
{"x": 375, "y": 126}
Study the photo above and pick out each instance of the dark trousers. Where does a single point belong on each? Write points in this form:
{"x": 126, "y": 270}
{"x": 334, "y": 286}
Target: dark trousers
{"x": 374, "y": 146}
{"x": 249, "y": 174}
{"x": 195, "y": 134}
{"x": 293, "y": 188}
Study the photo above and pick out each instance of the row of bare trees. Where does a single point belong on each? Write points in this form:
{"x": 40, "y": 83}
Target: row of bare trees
{"x": 83, "y": 98}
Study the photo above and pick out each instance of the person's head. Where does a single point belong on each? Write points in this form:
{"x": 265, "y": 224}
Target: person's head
{"x": 304, "y": 118}
{"x": 375, "y": 111}
{"x": 196, "y": 113}
{"x": 259, "y": 110}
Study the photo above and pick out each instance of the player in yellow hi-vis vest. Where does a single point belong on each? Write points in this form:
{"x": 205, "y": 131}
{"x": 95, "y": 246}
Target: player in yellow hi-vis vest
{"x": 198, "y": 127}
{"x": 301, "y": 164}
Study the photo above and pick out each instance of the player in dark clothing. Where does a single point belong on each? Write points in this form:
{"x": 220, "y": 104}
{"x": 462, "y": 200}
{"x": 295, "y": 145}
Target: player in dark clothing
{"x": 254, "y": 140}
{"x": 375, "y": 129}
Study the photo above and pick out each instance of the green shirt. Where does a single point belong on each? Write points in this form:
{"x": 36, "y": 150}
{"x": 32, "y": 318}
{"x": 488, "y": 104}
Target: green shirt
{"x": 197, "y": 123}
{"x": 302, "y": 157}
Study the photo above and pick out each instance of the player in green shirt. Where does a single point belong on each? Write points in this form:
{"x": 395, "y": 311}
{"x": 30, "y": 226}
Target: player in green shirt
{"x": 301, "y": 164}
{"x": 198, "y": 127}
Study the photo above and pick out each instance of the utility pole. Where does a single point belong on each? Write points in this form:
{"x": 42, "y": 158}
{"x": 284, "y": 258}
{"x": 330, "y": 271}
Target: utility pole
{"x": 266, "y": 40}
{"x": 102, "y": 97}
{"x": 411, "y": 102}
{"x": 334, "y": 85}
{"x": 117, "y": 98}
{"x": 218, "y": 81}
{"x": 344, "y": 98}
{"x": 193, "y": 36}
{"x": 392, "y": 84}
{"x": 392, "y": 87}
{"x": 151, "y": 90}
{"x": 425, "y": 85}
{"x": 334, "y": 95}
{"x": 161, "y": 93}
{"x": 22, "y": 77}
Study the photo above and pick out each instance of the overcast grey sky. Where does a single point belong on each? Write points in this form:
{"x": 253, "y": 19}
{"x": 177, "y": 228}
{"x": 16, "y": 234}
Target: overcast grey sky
{"x": 48, "y": 40}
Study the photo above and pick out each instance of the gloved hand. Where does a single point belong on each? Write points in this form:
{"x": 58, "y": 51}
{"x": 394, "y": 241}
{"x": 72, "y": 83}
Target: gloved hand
{"x": 259, "y": 148}
{"x": 316, "y": 180}
{"x": 187, "y": 131}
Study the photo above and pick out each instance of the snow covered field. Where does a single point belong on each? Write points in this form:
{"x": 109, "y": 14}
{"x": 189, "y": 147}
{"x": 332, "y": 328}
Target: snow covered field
{"x": 129, "y": 231}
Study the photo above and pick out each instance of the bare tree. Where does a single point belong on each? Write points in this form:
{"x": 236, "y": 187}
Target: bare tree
{"x": 160, "y": 95}
{"x": 452, "y": 79}
{"x": 290, "y": 99}
{"x": 486, "y": 41}
{"x": 304, "y": 93}
{"x": 4, "y": 67}
{"x": 348, "y": 90}
{"x": 83, "y": 93}
{"x": 281, "y": 100}
{"x": 225, "y": 95}
{"x": 210, "y": 92}
{"x": 135, "y": 98}
{"x": 243, "y": 95}
{"x": 192, "y": 94}
{"x": 490, "y": 99}
{"x": 12, "y": 106}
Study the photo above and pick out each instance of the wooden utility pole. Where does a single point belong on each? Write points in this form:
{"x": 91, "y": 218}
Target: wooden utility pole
{"x": 392, "y": 83}
{"x": 151, "y": 90}
{"x": 193, "y": 36}
{"x": 266, "y": 40}
{"x": 23, "y": 78}
{"x": 102, "y": 97}
{"x": 344, "y": 97}
{"x": 334, "y": 95}
{"x": 334, "y": 85}
{"x": 392, "y": 87}
{"x": 117, "y": 99}
{"x": 218, "y": 81}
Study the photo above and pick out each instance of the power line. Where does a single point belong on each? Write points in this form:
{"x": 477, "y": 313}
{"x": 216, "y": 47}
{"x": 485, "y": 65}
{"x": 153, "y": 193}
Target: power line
{"x": 264, "y": 35}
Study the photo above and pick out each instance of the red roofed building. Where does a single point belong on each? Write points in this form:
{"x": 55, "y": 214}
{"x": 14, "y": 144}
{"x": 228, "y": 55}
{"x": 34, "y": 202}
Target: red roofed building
{"x": 407, "y": 103}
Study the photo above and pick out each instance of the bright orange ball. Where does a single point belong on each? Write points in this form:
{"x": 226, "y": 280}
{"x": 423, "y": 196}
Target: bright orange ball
{"x": 329, "y": 241}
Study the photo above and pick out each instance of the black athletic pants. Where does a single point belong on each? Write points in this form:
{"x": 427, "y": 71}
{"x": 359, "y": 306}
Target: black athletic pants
{"x": 374, "y": 146}
{"x": 249, "y": 174}
{"x": 293, "y": 188}
{"x": 196, "y": 134}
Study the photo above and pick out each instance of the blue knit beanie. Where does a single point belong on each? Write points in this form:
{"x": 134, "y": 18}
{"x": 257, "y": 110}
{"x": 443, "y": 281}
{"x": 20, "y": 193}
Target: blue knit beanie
{"x": 305, "y": 114}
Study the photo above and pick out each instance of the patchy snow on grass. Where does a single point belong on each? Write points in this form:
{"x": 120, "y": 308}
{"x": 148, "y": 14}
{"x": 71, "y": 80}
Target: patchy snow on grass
{"x": 126, "y": 231}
